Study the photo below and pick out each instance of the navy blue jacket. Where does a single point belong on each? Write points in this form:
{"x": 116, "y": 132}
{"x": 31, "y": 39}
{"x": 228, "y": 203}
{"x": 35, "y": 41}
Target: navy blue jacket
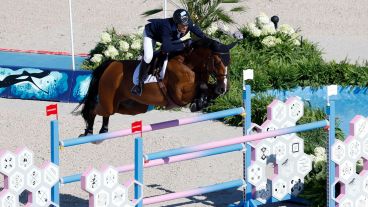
{"x": 166, "y": 32}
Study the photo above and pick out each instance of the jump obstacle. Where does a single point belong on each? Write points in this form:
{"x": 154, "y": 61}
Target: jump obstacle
{"x": 253, "y": 195}
{"x": 176, "y": 155}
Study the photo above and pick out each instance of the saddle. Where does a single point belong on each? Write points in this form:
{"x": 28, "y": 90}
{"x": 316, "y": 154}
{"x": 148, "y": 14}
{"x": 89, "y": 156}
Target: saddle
{"x": 155, "y": 66}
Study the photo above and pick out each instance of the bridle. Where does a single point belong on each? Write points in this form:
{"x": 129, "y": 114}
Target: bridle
{"x": 211, "y": 63}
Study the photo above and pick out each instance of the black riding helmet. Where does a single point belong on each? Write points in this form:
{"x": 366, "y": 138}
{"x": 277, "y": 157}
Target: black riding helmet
{"x": 181, "y": 16}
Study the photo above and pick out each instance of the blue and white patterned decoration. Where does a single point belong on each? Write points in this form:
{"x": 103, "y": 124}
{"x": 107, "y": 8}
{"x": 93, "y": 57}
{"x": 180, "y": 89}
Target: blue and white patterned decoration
{"x": 44, "y": 84}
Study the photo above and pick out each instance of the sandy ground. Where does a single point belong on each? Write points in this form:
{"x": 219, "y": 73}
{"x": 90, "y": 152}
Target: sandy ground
{"x": 338, "y": 26}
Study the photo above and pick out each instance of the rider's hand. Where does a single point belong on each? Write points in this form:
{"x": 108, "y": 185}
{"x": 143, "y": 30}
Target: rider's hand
{"x": 187, "y": 43}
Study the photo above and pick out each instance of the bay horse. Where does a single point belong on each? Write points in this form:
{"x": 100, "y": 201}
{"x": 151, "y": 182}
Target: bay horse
{"x": 187, "y": 73}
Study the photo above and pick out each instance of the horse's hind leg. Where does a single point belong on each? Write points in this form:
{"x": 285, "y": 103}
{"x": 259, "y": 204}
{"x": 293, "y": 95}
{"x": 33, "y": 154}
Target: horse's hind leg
{"x": 105, "y": 124}
{"x": 109, "y": 83}
{"x": 89, "y": 125}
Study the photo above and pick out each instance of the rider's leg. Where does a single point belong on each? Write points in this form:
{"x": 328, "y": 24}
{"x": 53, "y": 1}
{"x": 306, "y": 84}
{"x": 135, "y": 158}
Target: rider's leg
{"x": 164, "y": 65}
{"x": 148, "y": 45}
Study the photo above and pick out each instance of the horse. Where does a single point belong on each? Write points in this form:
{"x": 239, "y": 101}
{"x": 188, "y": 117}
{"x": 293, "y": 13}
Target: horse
{"x": 188, "y": 73}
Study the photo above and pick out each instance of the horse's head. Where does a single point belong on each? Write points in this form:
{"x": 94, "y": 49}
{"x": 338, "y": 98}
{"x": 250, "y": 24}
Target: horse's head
{"x": 213, "y": 59}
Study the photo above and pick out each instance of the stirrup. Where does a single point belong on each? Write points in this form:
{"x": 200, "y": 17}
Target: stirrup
{"x": 137, "y": 90}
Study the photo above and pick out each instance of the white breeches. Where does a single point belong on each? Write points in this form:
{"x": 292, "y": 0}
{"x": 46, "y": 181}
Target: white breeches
{"x": 148, "y": 45}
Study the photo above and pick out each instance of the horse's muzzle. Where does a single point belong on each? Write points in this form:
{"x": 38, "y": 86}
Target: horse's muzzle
{"x": 220, "y": 89}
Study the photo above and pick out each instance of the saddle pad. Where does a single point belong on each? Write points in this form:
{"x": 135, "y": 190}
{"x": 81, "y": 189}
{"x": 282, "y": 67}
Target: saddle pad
{"x": 150, "y": 78}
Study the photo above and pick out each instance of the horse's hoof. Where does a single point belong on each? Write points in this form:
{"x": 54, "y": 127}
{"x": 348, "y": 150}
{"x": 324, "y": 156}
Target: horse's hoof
{"x": 86, "y": 133}
{"x": 103, "y": 130}
{"x": 193, "y": 107}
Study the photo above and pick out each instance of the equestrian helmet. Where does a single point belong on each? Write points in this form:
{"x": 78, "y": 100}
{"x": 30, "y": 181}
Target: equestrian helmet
{"x": 181, "y": 16}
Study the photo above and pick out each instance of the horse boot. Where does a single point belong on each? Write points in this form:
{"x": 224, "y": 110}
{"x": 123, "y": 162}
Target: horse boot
{"x": 143, "y": 70}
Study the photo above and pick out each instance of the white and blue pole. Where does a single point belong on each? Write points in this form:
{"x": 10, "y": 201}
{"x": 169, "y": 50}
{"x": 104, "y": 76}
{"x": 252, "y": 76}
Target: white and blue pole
{"x": 247, "y": 191}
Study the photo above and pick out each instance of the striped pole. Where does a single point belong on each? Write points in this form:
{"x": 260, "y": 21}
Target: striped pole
{"x": 174, "y": 159}
{"x": 183, "y": 150}
{"x": 254, "y": 137}
{"x": 237, "y": 140}
{"x": 152, "y": 127}
{"x": 194, "y": 192}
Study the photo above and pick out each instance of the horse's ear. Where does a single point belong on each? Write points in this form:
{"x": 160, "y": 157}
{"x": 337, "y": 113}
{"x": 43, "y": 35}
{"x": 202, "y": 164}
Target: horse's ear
{"x": 231, "y": 45}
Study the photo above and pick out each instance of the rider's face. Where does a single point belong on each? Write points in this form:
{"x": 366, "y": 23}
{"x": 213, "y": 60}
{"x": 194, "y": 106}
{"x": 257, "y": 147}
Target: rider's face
{"x": 182, "y": 28}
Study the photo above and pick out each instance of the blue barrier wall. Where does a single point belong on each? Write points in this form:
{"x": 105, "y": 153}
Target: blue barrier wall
{"x": 43, "y": 84}
{"x": 34, "y": 60}
{"x": 42, "y": 77}
{"x": 351, "y": 101}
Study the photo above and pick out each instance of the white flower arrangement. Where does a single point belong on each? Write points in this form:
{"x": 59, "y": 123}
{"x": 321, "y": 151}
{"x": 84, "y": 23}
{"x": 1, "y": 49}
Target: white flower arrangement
{"x": 116, "y": 47}
{"x": 262, "y": 29}
{"x": 136, "y": 45}
{"x": 111, "y": 52}
{"x": 262, "y": 19}
{"x": 271, "y": 41}
{"x": 253, "y": 29}
{"x": 319, "y": 154}
{"x": 286, "y": 29}
{"x": 132, "y": 36}
{"x": 128, "y": 55}
{"x": 97, "y": 58}
{"x": 297, "y": 42}
{"x": 140, "y": 30}
{"x": 105, "y": 38}
{"x": 212, "y": 29}
{"x": 268, "y": 29}
{"x": 123, "y": 46}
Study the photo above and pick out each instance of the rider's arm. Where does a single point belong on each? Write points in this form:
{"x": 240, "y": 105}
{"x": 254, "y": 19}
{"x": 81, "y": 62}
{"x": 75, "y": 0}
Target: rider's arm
{"x": 197, "y": 31}
{"x": 167, "y": 45}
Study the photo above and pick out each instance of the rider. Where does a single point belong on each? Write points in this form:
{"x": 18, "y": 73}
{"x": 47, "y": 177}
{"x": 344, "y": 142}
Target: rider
{"x": 168, "y": 32}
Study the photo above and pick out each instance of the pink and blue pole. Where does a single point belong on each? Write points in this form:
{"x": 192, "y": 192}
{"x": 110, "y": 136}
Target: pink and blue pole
{"x": 223, "y": 143}
{"x": 186, "y": 150}
{"x": 194, "y": 192}
{"x": 152, "y": 127}
{"x": 248, "y": 138}
{"x": 168, "y": 160}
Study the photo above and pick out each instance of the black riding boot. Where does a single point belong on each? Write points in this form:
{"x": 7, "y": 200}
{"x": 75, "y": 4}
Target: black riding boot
{"x": 137, "y": 89}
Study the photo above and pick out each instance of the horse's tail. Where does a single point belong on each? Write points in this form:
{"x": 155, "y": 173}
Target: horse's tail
{"x": 90, "y": 100}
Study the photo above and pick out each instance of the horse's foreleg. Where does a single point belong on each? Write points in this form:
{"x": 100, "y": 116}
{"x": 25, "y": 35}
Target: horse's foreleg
{"x": 105, "y": 124}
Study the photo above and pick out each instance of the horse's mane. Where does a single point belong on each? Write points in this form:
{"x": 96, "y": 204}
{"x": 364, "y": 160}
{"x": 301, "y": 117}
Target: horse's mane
{"x": 206, "y": 43}
{"x": 214, "y": 46}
